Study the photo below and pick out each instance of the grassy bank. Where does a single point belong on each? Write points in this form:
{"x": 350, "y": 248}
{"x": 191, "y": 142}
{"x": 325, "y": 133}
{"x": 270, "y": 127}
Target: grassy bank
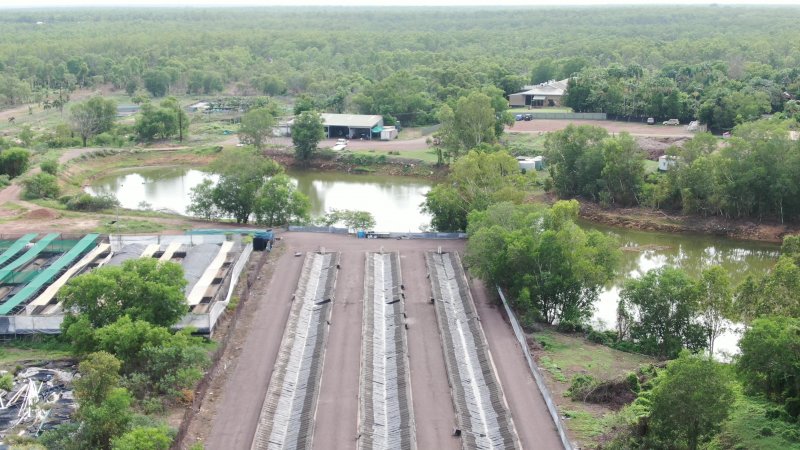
{"x": 562, "y": 357}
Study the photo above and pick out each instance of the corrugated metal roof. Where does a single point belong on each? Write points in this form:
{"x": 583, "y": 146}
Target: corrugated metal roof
{"x": 351, "y": 120}
{"x": 547, "y": 88}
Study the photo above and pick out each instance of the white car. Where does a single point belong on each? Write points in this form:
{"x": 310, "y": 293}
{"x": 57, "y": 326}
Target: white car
{"x": 341, "y": 144}
{"x": 672, "y": 122}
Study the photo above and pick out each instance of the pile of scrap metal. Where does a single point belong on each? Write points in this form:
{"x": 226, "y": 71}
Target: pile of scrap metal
{"x": 41, "y": 399}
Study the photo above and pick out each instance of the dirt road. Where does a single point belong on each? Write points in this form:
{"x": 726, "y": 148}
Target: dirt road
{"x": 337, "y": 404}
{"x": 634, "y": 128}
{"x": 534, "y": 425}
{"x": 433, "y": 408}
{"x": 236, "y": 413}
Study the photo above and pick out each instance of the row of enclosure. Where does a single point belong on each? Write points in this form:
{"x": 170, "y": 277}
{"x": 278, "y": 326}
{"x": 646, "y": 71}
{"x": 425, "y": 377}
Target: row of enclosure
{"x": 287, "y": 416}
{"x": 33, "y": 269}
{"x": 296, "y": 406}
{"x": 481, "y": 410}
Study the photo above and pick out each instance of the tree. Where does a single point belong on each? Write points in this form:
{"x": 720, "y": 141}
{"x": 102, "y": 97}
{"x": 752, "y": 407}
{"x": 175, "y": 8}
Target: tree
{"x": 99, "y": 376}
{"x": 144, "y": 289}
{"x": 543, "y": 258}
{"x": 690, "y": 400}
{"x": 93, "y": 116}
{"x": 543, "y": 71}
{"x": 356, "y": 220}
{"x": 201, "y": 201}
{"x": 41, "y": 185}
{"x": 156, "y": 82}
{"x": 279, "y": 202}
{"x": 475, "y": 181}
{"x": 161, "y": 122}
{"x": 777, "y": 293}
{"x": 242, "y": 173}
{"x": 663, "y": 306}
{"x": 14, "y": 161}
{"x": 180, "y": 116}
{"x": 307, "y": 131}
{"x": 467, "y": 126}
{"x": 256, "y": 127}
{"x": 575, "y": 160}
{"x": 770, "y": 360}
{"x": 104, "y": 422}
{"x": 716, "y": 303}
{"x": 143, "y": 438}
{"x": 304, "y": 103}
{"x": 623, "y": 169}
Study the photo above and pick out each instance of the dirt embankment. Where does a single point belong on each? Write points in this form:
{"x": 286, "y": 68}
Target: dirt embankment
{"x": 392, "y": 166}
{"x": 653, "y": 220}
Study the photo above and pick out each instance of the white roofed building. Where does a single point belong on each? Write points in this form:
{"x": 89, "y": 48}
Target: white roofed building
{"x": 541, "y": 95}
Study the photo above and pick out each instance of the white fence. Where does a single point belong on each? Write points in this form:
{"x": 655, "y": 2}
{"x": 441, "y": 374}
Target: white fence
{"x": 551, "y": 406}
{"x": 31, "y": 324}
{"x": 204, "y": 323}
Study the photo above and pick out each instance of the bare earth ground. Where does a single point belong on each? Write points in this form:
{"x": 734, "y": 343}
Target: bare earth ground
{"x": 634, "y": 128}
{"x": 337, "y": 404}
{"x": 235, "y": 414}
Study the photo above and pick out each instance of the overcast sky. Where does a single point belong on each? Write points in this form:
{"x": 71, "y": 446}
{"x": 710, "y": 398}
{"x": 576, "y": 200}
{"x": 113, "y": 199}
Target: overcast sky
{"x": 68, "y": 3}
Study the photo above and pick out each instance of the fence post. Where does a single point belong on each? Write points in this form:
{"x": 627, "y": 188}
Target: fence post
{"x": 548, "y": 399}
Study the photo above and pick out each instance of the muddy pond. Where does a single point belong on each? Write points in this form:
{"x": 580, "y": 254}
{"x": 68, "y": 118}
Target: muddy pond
{"x": 395, "y": 201}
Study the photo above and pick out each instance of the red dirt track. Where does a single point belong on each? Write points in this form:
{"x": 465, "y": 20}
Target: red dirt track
{"x": 336, "y": 426}
{"x": 634, "y": 128}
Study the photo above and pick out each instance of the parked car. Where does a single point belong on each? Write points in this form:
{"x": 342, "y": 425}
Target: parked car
{"x": 651, "y": 121}
{"x": 518, "y": 117}
{"x": 672, "y": 122}
{"x": 528, "y": 117}
{"x": 341, "y": 144}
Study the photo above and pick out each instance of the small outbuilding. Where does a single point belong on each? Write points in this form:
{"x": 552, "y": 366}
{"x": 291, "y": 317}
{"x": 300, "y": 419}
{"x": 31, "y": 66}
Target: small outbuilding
{"x": 527, "y": 163}
{"x": 388, "y": 133}
{"x": 666, "y": 161}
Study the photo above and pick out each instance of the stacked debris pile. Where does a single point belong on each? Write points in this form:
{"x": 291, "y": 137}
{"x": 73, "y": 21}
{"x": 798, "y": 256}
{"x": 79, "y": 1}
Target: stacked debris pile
{"x": 40, "y": 399}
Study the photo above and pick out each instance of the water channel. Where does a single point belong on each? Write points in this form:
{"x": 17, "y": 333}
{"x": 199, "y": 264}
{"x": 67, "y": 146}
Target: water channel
{"x": 394, "y": 201}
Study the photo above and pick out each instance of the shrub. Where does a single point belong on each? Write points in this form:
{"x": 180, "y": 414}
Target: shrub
{"x": 599, "y": 337}
{"x": 14, "y": 161}
{"x": 50, "y": 166}
{"x": 86, "y": 202}
{"x": 41, "y": 185}
{"x": 4, "y": 181}
{"x": 7, "y": 382}
{"x": 581, "y": 386}
{"x": 633, "y": 382}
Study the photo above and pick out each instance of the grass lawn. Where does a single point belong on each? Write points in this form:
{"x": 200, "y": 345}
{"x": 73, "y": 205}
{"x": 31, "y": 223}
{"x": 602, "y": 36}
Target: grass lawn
{"x": 650, "y": 166}
{"x": 564, "y": 356}
{"x": 526, "y": 144}
{"x": 125, "y": 225}
{"x": 416, "y": 132}
{"x": 17, "y": 351}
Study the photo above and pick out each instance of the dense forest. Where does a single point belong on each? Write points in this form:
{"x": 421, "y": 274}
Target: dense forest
{"x": 724, "y": 65}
